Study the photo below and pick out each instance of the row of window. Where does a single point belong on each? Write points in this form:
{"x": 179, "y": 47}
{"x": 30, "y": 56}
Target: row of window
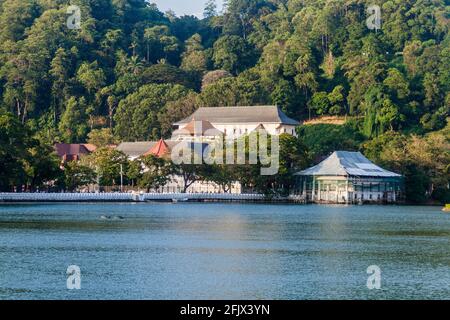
{"x": 235, "y": 131}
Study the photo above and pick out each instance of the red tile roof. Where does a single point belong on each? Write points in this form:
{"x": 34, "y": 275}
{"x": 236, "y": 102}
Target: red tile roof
{"x": 160, "y": 149}
{"x": 70, "y": 152}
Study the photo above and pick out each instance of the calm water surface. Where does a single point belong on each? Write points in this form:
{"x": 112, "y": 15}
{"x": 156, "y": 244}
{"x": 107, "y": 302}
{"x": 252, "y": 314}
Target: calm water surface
{"x": 223, "y": 251}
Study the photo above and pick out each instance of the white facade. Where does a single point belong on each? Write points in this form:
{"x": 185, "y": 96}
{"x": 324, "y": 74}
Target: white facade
{"x": 237, "y": 130}
{"x": 235, "y": 122}
{"x": 176, "y": 186}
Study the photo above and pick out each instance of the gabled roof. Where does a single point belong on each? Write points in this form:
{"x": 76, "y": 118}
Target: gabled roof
{"x": 344, "y": 163}
{"x": 260, "y": 128}
{"x": 198, "y": 128}
{"x": 66, "y": 149}
{"x": 255, "y": 114}
{"x": 135, "y": 149}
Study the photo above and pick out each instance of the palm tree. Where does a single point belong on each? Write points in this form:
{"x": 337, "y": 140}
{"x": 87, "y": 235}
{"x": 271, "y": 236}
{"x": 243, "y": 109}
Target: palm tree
{"x": 135, "y": 65}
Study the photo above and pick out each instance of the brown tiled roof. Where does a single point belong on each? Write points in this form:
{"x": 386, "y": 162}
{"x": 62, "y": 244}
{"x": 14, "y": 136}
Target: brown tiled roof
{"x": 198, "y": 128}
{"x": 71, "y": 150}
{"x": 90, "y": 147}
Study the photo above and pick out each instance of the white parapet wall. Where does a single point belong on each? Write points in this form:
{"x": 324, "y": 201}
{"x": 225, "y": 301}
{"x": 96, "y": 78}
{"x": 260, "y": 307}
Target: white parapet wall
{"x": 126, "y": 197}
{"x": 65, "y": 197}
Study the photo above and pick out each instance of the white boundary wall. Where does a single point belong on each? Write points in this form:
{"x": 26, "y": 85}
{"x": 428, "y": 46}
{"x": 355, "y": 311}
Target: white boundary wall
{"x": 132, "y": 197}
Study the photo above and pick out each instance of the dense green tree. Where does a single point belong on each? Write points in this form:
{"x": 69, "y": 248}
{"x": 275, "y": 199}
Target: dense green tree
{"x": 109, "y": 165}
{"x": 73, "y": 126}
{"x": 156, "y": 174}
{"x": 177, "y": 110}
{"x": 13, "y": 151}
{"x": 137, "y": 114}
{"x": 308, "y": 57}
{"x": 101, "y": 137}
{"x": 223, "y": 175}
{"x": 337, "y": 101}
{"x": 322, "y": 139}
{"x": 320, "y": 103}
{"x": 210, "y": 9}
{"x": 194, "y": 58}
{"x": 77, "y": 175}
{"x": 233, "y": 54}
{"x": 214, "y": 76}
{"x": 163, "y": 73}
{"x": 42, "y": 166}
{"x": 422, "y": 160}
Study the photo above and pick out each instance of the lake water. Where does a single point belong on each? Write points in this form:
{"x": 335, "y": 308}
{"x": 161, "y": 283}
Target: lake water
{"x": 223, "y": 251}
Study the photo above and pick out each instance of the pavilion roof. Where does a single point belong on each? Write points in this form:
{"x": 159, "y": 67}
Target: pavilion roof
{"x": 345, "y": 163}
{"x": 159, "y": 149}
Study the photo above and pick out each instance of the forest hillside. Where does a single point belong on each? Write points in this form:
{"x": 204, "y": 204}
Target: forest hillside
{"x": 130, "y": 71}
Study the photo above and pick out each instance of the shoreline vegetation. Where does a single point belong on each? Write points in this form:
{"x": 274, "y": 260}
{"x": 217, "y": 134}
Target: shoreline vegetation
{"x": 132, "y": 71}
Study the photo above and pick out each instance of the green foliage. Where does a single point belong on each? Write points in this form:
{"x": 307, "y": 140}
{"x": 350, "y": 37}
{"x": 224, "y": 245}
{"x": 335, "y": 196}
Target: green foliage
{"x": 77, "y": 175}
{"x": 320, "y": 103}
{"x": 323, "y": 139}
{"x": 13, "y": 142}
{"x": 175, "y": 111}
{"x": 129, "y": 66}
{"x": 24, "y": 159}
{"x": 167, "y": 74}
{"x": 101, "y": 138}
{"x": 157, "y": 173}
{"x": 293, "y": 157}
{"x": 108, "y": 164}
{"x": 233, "y": 54}
{"x": 424, "y": 161}
{"x": 73, "y": 125}
{"x": 296, "y": 53}
{"x": 210, "y": 9}
{"x": 136, "y": 117}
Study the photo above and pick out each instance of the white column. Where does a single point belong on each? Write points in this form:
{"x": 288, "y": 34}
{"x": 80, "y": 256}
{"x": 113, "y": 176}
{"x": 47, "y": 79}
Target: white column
{"x": 313, "y": 194}
{"x": 318, "y": 191}
{"x": 347, "y": 195}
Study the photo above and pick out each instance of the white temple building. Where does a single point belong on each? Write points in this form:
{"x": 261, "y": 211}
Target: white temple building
{"x": 348, "y": 177}
{"x": 235, "y": 122}
{"x": 203, "y": 127}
